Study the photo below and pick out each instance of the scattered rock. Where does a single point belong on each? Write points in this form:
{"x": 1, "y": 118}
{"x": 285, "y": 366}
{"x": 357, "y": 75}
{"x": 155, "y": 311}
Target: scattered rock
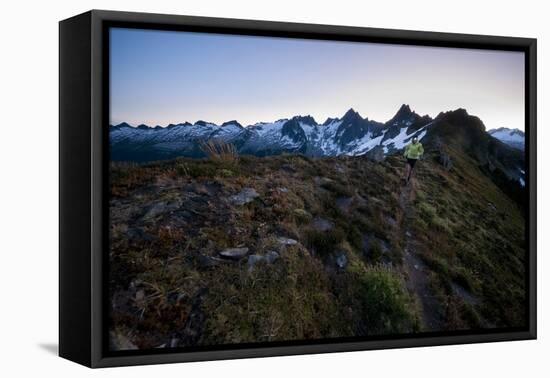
{"x": 234, "y": 253}
{"x": 244, "y": 196}
{"x": 286, "y": 241}
{"x": 492, "y": 206}
{"x": 283, "y": 189}
{"x": 321, "y": 224}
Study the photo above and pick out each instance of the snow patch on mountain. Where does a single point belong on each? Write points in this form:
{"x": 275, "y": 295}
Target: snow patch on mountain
{"x": 403, "y": 138}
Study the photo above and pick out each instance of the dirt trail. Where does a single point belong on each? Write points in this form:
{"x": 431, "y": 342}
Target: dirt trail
{"x": 418, "y": 280}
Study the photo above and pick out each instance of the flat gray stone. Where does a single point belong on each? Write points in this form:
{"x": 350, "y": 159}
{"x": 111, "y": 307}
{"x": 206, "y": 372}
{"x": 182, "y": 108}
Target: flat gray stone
{"x": 234, "y": 253}
{"x": 286, "y": 241}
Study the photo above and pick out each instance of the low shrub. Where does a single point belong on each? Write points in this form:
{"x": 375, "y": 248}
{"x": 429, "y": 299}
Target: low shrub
{"x": 384, "y": 302}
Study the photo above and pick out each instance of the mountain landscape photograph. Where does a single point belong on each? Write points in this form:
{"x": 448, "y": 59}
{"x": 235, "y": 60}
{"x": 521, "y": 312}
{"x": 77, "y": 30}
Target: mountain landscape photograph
{"x": 261, "y": 190}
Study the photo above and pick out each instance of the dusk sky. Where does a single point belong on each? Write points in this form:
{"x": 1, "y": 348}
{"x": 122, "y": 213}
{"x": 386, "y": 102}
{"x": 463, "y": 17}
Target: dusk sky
{"x": 163, "y": 77}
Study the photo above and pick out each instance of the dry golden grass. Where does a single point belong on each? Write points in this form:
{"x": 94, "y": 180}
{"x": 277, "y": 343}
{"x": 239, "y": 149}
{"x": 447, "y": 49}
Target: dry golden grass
{"x": 220, "y": 151}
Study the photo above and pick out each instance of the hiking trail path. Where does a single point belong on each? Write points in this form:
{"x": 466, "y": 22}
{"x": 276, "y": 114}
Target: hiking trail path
{"x": 418, "y": 273}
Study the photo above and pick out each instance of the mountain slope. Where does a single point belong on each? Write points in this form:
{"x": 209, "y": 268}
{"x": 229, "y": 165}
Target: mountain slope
{"x": 318, "y": 247}
{"x": 464, "y": 135}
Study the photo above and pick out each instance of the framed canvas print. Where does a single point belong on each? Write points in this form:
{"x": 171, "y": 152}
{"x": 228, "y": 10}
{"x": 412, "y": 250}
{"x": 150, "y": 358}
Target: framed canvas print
{"x": 234, "y": 188}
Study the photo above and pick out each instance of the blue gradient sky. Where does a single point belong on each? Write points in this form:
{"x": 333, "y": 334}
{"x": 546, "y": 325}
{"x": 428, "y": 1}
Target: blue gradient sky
{"x": 162, "y": 77}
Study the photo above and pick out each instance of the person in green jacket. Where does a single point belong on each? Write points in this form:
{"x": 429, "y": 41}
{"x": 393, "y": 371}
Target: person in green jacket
{"x": 413, "y": 152}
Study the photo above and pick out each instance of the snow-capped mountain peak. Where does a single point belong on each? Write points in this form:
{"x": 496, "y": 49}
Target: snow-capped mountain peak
{"x": 513, "y": 137}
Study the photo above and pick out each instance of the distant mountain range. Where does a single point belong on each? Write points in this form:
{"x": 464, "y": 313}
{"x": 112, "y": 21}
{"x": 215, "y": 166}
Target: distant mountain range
{"x": 350, "y": 135}
{"x": 512, "y": 137}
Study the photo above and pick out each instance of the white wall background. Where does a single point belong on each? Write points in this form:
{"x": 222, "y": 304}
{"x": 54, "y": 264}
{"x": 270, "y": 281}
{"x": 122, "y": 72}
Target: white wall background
{"x": 29, "y": 186}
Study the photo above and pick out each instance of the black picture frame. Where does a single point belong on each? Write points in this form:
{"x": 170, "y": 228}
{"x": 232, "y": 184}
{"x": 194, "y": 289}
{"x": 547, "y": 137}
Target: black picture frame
{"x": 83, "y": 164}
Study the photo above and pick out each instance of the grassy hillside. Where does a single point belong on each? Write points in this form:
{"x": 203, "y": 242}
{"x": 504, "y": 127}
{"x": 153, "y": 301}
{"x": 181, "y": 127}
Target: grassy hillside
{"x": 283, "y": 248}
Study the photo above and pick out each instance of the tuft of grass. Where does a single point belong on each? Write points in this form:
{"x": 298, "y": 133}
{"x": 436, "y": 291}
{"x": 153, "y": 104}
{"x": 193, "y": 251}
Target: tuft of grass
{"x": 220, "y": 151}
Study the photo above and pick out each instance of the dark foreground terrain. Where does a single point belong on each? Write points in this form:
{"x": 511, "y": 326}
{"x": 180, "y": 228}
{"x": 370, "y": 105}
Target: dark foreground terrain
{"x": 208, "y": 252}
